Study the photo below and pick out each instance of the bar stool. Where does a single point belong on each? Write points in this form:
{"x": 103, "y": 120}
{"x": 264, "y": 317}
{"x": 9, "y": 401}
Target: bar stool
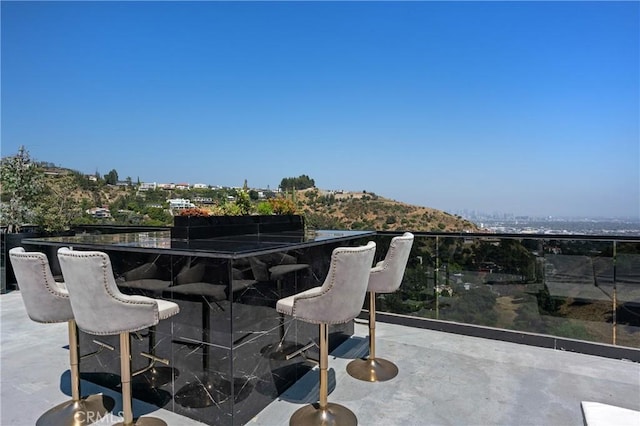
{"x": 205, "y": 390}
{"x": 101, "y": 309}
{"x": 142, "y": 280}
{"x": 281, "y": 350}
{"x": 337, "y": 301}
{"x": 47, "y": 301}
{"x": 385, "y": 277}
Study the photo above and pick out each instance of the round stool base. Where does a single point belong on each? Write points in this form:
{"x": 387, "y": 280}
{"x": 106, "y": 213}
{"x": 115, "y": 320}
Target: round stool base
{"x": 145, "y": 421}
{"x": 333, "y": 415}
{"x": 156, "y": 377}
{"x": 84, "y": 412}
{"x": 201, "y": 394}
{"x": 372, "y": 370}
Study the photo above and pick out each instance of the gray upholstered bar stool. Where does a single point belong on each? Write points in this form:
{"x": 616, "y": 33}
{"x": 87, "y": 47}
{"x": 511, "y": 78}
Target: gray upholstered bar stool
{"x": 47, "y": 301}
{"x": 385, "y": 277}
{"x": 337, "y": 301}
{"x": 101, "y": 309}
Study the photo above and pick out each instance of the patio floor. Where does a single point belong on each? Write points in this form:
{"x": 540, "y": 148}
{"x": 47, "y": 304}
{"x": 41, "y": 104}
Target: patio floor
{"x": 444, "y": 379}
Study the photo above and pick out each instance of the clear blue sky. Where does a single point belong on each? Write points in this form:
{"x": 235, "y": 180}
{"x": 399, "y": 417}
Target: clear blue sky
{"x": 531, "y": 108}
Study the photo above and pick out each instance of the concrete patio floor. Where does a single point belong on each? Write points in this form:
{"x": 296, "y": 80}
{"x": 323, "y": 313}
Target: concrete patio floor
{"x": 444, "y": 379}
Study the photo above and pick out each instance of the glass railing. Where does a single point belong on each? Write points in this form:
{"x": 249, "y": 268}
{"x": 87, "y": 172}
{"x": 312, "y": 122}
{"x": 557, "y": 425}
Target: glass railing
{"x": 575, "y": 287}
{"x": 580, "y": 287}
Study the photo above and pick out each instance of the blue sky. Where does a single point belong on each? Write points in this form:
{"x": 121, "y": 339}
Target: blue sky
{"x": 531, "y": 108}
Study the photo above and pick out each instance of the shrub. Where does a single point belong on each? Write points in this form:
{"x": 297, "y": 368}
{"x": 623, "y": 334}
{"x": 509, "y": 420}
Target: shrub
{"x": 282, "y": 205}
{"x": 264, "y": 208}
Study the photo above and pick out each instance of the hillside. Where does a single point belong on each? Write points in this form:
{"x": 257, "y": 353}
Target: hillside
{"x": 322, "y": 209}
{"x": 362, "y": 210}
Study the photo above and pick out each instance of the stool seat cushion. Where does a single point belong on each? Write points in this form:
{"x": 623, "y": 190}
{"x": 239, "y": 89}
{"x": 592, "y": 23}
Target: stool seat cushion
{"x": 166, "y": 309}
{"x": 285, "y": 305}
{"x": 263, "y": 272}
{"x": 213, "y": 291}
{"x": 146, "y": 270}
{"x": 46, "y": 300}
{"x": 238, "y": 285}
{"x": 150, "y": 284}
{"x": 190, "y": 273}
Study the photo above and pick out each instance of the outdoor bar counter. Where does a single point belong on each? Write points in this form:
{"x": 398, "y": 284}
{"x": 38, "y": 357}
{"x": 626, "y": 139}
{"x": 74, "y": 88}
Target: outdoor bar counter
{"x": 224, "y": 360}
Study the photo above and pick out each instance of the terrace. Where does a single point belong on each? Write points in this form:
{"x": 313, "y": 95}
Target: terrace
{"x": 486, "y": 329}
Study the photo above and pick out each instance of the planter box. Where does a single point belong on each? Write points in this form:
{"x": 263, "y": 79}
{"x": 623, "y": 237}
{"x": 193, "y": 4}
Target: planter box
{"x": 9, "y": 241}
{"x": 8, "y": 280}
{"x": 198, "y": 227}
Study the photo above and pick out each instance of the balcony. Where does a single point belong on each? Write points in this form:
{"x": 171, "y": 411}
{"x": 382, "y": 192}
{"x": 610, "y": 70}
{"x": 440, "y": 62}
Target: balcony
{"x": 444, "y": 378}
{"x": 486, "y": 329}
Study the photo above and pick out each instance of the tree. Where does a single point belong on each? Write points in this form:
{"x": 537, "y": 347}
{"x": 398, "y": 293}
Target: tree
{"x": 322, "y": 221}
{"x": 243, "y": 202}
{"x": 22, "y": 183}
{"x": 157, "y": 216}
{"x": 112, "y": 177}
{"x": 57, "y": 209}
{"x": 301, "y": 182}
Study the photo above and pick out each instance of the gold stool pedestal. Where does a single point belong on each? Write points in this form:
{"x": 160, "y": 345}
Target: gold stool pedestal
{"x": 323, "y": 413}
{"x": 75, "y": 413}
{"x": 127, "y": 401}
{"x": 78, "y": 411}
{"x": 331, "y": 415}
{"x": 372, "y": 370}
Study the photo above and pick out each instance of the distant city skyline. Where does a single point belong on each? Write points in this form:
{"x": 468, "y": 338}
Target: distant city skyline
{"x": 530, "y": 108}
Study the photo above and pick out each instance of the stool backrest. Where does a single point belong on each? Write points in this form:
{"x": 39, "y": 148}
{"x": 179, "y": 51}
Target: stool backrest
{"x": 387, "y": 275}
{"x": 342, "y": 294}
{"x": 45, "y": 300}
{"x": 98, "y": 305}
{"x": 259, "y": 269}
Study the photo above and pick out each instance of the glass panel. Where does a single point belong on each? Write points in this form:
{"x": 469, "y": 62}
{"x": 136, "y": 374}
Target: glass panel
{"x": 586, "y": 289}
{"x": 627, "y": 295}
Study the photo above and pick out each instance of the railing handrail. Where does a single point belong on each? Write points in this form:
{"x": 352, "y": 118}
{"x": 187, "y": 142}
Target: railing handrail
{"x": 521, "y": 236}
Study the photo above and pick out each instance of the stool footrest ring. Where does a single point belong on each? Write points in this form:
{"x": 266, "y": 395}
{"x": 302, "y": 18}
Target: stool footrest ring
{"x": 152, "y": 364}
{"x": 299, "y": 351}
{"x": 102, "y": 347}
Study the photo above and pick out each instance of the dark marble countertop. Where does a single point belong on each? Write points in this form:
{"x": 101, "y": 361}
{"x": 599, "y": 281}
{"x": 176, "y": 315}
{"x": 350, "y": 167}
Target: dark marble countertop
{"x": 235, "y": 246}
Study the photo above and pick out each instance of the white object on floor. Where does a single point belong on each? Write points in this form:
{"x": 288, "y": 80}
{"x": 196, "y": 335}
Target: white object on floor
{"x": 599, "y": 414}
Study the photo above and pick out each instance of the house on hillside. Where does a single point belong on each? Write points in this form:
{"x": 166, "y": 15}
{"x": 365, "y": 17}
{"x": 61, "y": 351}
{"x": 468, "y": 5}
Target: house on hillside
{"x": 203, "y": 200}
{"x": 146, "y": 186}
{"x": 180, "y": 203}
{"x": 99, "y": 212}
